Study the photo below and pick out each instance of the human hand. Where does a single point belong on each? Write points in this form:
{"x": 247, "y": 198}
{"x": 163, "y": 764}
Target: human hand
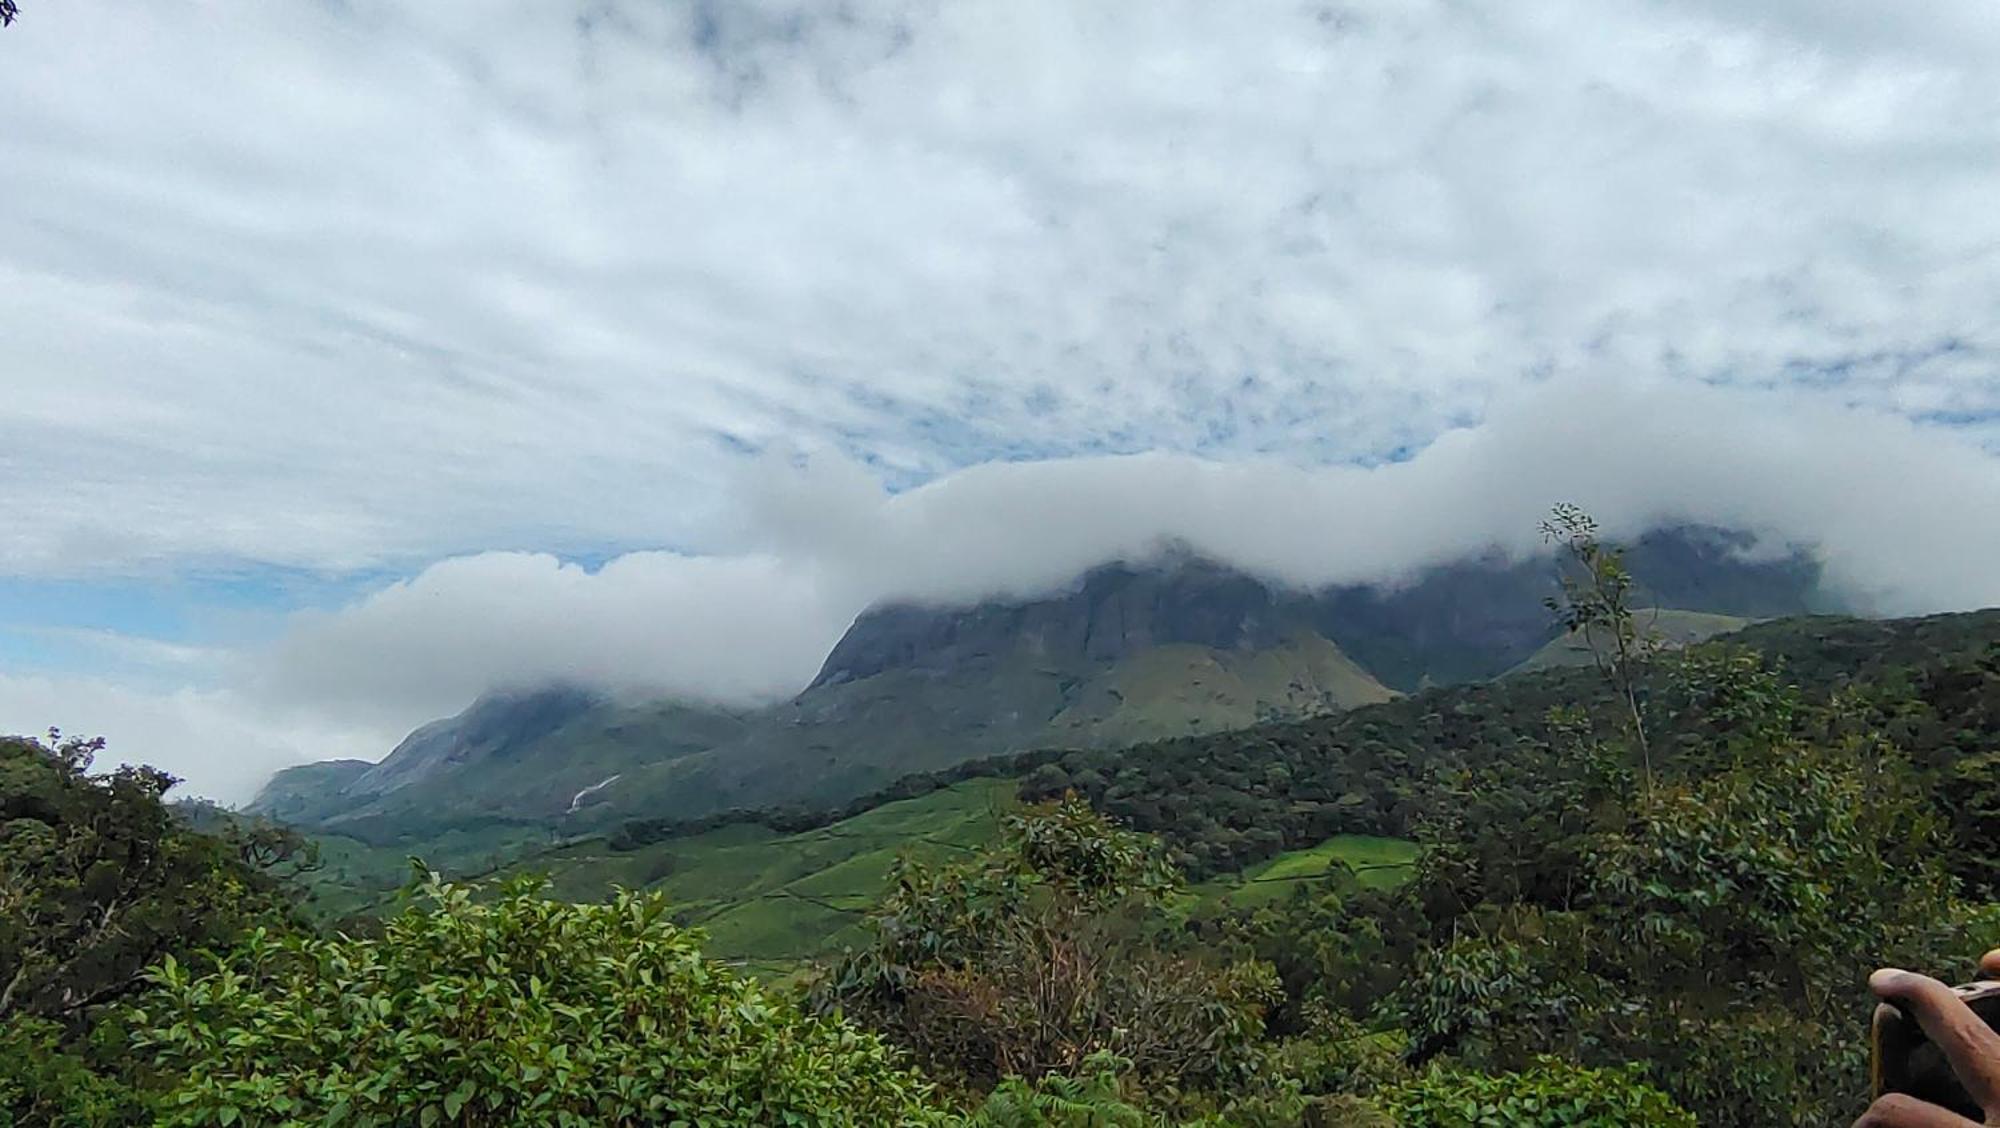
{"x": 1972, "y": 1048}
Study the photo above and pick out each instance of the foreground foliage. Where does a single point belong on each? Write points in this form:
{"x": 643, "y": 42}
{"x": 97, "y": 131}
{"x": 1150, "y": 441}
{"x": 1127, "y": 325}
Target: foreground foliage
{"x": 1715, "y": 926}
{"x": 1551, "y": 1094}
{"x": 521, "y": 1011}
{"x": 99, "y": 880}
{"x": 50, "y": 1080}
{"x": 1043, "y": 952}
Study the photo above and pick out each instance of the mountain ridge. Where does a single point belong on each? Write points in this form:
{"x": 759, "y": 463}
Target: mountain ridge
{"x": 1128, "y": 652}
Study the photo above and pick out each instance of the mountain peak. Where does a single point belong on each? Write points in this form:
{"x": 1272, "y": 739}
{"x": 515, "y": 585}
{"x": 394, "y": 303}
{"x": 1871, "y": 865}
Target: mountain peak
{"x": 1109, "y": 613}
{"x": 494, "y": 724}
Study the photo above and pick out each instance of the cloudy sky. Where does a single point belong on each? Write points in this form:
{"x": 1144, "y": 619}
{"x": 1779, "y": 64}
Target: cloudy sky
{"x": 358, "y": 356}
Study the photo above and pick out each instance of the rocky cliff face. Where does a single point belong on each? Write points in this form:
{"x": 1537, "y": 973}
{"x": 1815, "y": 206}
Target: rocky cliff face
{"x": 1476, "y": 619}
{"x": 1111, "y": 613}
{"x": 1464, "y": 621}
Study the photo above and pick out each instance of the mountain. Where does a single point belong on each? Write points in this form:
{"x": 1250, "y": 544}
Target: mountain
{"x": 1173, "y": 647}
{"x": 525, "y": 755}
{"x": 1664, "y": 628}
{"x": 1260, "y": 802}
{"x": 309, "y": 792}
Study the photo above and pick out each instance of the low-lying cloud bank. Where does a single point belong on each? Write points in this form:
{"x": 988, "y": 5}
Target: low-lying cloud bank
{"x": 721, "y": 628}
{"x": 1906, "y": 517}
{"x": 222, "y": 742}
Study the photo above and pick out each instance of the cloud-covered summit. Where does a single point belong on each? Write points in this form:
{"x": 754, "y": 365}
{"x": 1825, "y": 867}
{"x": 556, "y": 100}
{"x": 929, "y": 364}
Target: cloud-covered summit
{"x": 460, "y": 343}
{"x": 1894, "y": 511}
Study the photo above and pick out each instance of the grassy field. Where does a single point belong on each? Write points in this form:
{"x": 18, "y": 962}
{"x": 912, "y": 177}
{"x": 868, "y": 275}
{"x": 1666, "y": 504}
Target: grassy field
{"x": 1378, "y": 863}
{"x": 771, "y": 901}
{"x": 358, "y": 878}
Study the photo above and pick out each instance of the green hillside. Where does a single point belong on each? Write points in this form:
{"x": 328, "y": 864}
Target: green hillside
{"x": 1378, "y": 863}
{"x": 1232, "y": 800}
{"x": 771, "y": 901}
{"x": 359, "y": 878}
{"x": 607, "y": 762}
{"x": 1228, "y": 803}
{"x": 529, "y": 758}
{"x": 1667, "y": 627}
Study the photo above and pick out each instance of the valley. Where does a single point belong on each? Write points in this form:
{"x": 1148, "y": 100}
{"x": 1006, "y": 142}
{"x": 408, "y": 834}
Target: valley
{"x": 771, "y": 902}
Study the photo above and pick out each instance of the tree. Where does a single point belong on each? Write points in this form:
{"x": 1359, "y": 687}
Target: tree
{"x": 8, "y": 13}
{"x": 1595, "y": 605}
{"x": 99, "y": 879}
{"x": 1713, "y": 927}
{"x": 1043, "y": 952}
{"x": 519, "y": 1011}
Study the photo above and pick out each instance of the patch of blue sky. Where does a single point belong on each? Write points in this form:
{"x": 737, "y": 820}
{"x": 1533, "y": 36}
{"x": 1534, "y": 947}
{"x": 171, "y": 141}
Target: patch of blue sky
{"x": 29, "y": 651}
{"x": 88, "y": 652}
{"x": 192, "y": 609}
{"x": 975, "y": 429}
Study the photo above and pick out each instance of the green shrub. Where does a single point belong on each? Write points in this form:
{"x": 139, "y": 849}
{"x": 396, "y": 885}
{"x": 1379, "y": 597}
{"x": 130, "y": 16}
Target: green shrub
{"x": 520, "y": 1011}
{"x": 1554, "y": 1093}
{"x": 45, "y": 1084}
{"x": 1038, "y": 953}
{"x": 1093, "y": 1099}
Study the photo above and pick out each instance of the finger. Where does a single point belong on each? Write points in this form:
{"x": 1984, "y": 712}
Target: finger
{"x": 1899, "y": 1110}
{"x": 1972, "y": 1048}
{"x": 1989, "y": 964}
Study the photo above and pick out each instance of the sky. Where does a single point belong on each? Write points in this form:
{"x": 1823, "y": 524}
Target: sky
{"x": 357, "y": 357}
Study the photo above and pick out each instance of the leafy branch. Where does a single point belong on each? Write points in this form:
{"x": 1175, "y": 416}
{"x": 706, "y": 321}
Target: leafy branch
{"x": 1595, "y": 605}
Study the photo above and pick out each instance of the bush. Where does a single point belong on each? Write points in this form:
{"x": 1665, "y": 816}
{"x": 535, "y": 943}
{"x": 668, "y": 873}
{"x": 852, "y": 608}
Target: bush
{"x": 1094, "y": 1099}
{"x": 43, "y": 1083}
{"x": 1554, "y": 1093}
{"x": 522, "y": 1011}
{"x": 1043, "y": 951}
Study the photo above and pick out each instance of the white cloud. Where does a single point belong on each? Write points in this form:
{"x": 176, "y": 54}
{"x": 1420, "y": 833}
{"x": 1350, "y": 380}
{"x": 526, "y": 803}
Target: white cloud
{"x": 734, "y": 629}
{"x": 1901, "y": 514}
{"x": 221, "y": 743}
{"x": 360, "y": 285}
{"x": 340, "y": 288}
